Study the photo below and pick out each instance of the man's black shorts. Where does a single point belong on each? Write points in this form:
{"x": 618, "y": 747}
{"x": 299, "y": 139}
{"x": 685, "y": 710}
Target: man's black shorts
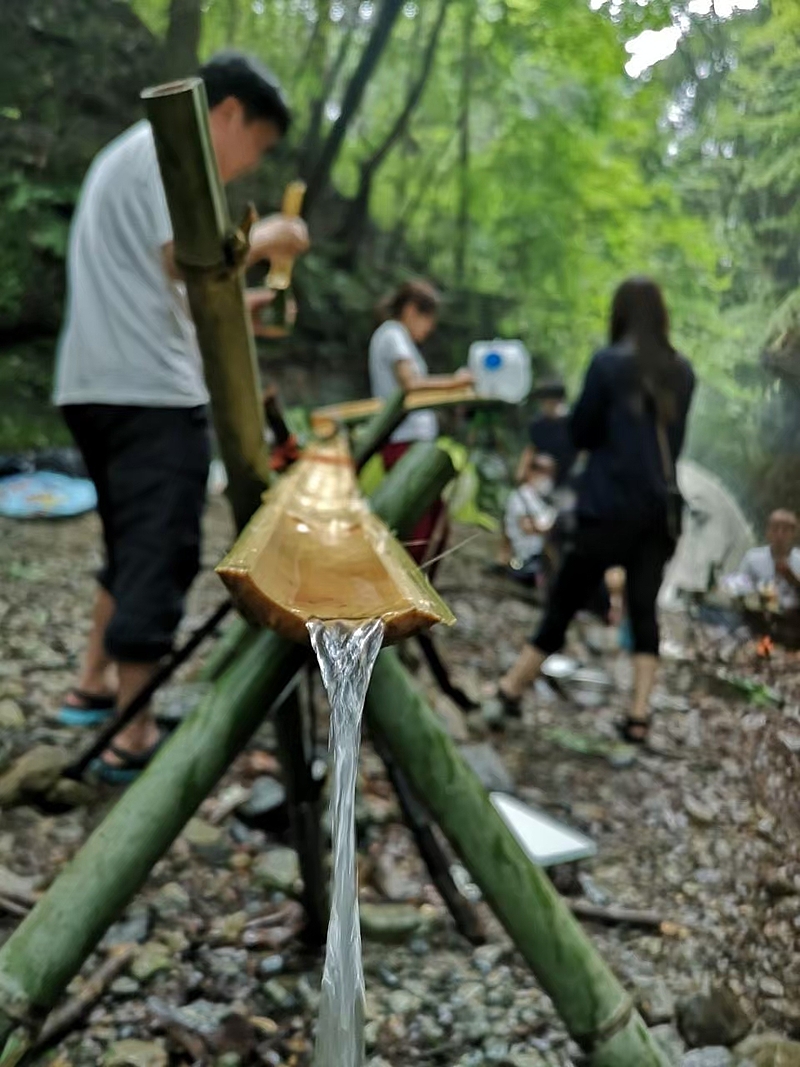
{"x": 150, "y": 467}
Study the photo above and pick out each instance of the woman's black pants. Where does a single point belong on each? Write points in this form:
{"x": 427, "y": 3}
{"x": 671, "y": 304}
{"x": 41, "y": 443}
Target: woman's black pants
{"x": 641, "y": 550}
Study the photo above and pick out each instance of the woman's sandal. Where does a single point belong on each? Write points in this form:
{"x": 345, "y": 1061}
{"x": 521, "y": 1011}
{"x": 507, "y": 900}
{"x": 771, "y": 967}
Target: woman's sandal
{"x": 501, "y": 707}
{"x": 634, "y": 731}
{"x": 88, "y": 709}
{"x": 129, "y": 768}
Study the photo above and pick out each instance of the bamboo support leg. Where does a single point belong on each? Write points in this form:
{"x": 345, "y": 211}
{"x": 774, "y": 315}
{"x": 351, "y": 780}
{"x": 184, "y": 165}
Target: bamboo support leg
{"x": 304, "y": 814}
{"x": 418, "y": 821}
{"x": 597, "y": 1011}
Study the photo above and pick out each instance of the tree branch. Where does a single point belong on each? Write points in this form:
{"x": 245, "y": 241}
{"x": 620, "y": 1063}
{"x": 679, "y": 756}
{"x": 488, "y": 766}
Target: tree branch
{"x": 378, "y": 39}
{"x": 183, "y": 38}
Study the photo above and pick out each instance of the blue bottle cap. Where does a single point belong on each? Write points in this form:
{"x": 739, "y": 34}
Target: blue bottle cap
{"x": 492, "y": 361}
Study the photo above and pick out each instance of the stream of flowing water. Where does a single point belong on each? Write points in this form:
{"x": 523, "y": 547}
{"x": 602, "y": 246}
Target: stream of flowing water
{"x": 346, "y": 656}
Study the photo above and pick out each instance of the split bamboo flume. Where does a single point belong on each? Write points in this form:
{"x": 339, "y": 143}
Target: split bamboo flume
{"x": 324, "y": 420}
{"x": 315, "y": 550}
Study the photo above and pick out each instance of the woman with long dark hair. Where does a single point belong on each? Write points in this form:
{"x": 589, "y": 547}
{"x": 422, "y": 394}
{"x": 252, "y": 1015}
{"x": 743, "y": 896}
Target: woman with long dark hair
{"x": 408, "y": 317}
{"x": 631, "y": 419}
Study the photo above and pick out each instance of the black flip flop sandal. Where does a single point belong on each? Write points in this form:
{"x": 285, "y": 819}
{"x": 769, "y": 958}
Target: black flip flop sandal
{"x": 501, "y": 707}
{"x": 131, "y": 766}
{"x": 634, "y": 731}
{"x": 89, "y": 709}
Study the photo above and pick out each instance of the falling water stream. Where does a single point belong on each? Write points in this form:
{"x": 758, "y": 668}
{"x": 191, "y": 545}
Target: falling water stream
{"x": 346, "y": 656}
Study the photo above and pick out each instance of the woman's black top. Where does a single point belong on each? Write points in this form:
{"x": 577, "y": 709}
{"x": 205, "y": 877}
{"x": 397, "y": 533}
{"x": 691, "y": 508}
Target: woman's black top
{"x": 624, "y": 479}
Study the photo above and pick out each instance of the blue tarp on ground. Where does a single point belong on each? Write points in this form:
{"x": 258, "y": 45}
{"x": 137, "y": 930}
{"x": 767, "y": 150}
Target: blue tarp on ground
{"x": 45, "y": 495}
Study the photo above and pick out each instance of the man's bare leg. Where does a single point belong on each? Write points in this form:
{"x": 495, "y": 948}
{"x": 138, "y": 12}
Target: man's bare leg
{"x": 142, "y": 733}
{"x": 97, "y": 675}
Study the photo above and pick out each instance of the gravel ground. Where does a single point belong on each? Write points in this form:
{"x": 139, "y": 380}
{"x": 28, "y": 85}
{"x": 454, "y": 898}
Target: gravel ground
{"x": 700, "y": 829}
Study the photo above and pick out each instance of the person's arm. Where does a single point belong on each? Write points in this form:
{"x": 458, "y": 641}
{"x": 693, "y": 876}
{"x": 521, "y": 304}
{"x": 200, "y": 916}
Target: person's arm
{"x": 274, "y": 236}
{"x": 410, "y": 380}
{"x": 587, "y": 422}
{"x": 788, "y": 570}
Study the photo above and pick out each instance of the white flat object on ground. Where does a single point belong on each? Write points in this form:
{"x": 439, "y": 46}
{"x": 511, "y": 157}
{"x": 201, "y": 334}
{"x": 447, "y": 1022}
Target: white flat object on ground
{"x": 544, "y": 840}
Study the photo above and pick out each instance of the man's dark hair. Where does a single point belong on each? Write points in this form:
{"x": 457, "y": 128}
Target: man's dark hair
{"x": 251, "y": 83}
{"x": 550, "y": 390}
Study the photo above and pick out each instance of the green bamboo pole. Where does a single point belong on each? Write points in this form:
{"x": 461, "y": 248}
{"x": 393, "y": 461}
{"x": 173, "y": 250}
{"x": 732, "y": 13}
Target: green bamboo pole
{"x": 379, "y": 429}
{"x": 597, "y": 1011}
{"x": 230, "y": 644}
{"x": 210, "y": 255}
{"x": 49, "y": 947}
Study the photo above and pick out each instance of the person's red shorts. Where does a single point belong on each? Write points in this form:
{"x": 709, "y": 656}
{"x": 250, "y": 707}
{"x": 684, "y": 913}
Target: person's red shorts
{"x": 429, "y": 536}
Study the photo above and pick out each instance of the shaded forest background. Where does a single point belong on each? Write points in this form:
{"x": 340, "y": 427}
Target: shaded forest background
{"x": 497, "y": 146}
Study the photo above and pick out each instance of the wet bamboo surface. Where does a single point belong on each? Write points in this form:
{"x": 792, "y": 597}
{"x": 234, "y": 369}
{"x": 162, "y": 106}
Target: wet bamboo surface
{"x": 315, "y": 550}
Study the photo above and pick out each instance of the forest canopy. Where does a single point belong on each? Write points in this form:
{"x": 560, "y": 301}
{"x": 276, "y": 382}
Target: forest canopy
{"x": 526, "y": 155}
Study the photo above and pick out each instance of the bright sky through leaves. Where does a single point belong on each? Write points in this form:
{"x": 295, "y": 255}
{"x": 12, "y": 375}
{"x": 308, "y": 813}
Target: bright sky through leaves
{"x": 651, "y": 46}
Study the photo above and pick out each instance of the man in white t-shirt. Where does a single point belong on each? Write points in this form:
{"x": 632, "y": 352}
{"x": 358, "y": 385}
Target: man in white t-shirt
{"x": 129, "y": 381}
{"x": 775, "y": 564}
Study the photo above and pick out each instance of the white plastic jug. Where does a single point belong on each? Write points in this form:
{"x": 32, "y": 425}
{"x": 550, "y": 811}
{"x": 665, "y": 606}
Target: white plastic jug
{"x": 501, "y": 369}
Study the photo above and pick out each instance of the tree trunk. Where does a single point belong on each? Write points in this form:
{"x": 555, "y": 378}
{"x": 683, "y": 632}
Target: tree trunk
{"x": 598, "y": 1013}
{"x": 359, "y": 209}
{"x": 462, "y": 221}
{"x": 182, "y": 42}
{"x": 49, "y": 947}
{"x": 354, "y": 93}
{"x": 209, "y": 256}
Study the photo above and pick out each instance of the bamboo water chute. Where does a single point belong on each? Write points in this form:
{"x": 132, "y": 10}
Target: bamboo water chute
{"x": 324, "y": 420}
{"x": 315, "y": 550}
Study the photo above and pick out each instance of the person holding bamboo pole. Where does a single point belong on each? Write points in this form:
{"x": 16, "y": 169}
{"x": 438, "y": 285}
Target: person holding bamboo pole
{"x": 631, "y": 420}
{"x": 130, "y": 384}
{"x": 407, "y": 318}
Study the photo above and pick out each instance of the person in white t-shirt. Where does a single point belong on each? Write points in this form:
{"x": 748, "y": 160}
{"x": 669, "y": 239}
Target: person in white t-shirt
{"x": 409, "y": 317}
{"x": 529, "y": 516}
{"x": 129, "y": 382}
{"x": 774, "y": 567}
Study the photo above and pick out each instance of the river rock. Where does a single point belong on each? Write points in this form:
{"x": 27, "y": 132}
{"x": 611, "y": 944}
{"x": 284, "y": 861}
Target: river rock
{"x": 267, "y": 793}
{"x": 401, "y": 1002}
{"x": 670, "y": 1042}
{"x": 390, "y": 923}
{"x": 204, "y": 837}
{"x": 34, "y": 773}
{"x": 227, "y": 929}
{"x": 768, "y": 1050}
{"x": 278, "y": 869}
{"x": 124, "y": 987}
{"x": 714, "y": 1056}
{"x": 770, "y": 986}
{"x": 201, "y": 1017}
{"x": 11, "y": 716}
{"x": 172, "y": 901}
{"x": 152, "y": 958}
{"x": 655, "y": 1001}
{"x": 133, "y": 928}
{"x": 271, "y": 965}
{"x": 280, "y": 998}
{"x": 493, "y": 774}
{"x": 135, "y": 1054}
{"x": 713, "y": 1018}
